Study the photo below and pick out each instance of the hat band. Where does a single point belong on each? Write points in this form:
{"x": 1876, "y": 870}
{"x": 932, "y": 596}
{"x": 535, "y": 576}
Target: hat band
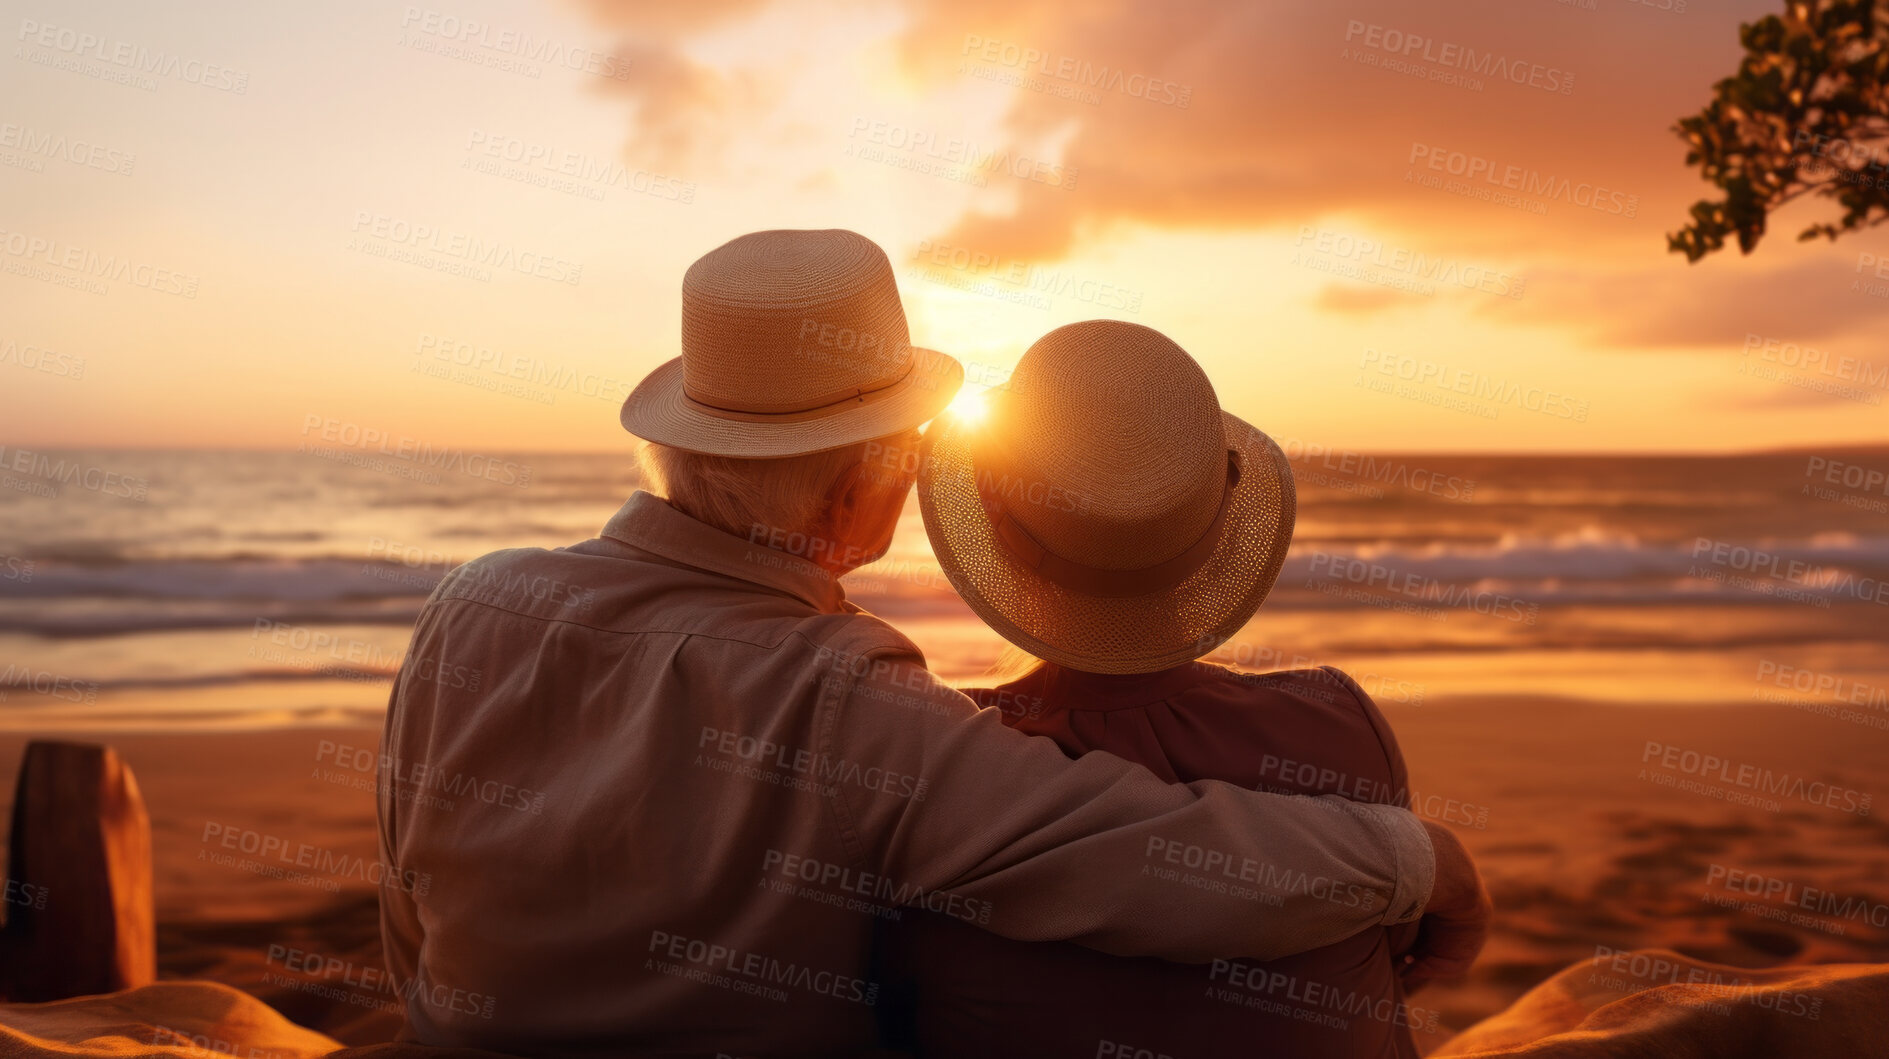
{"x": 814, "y": 408}
{"x": 1102, "y": 581}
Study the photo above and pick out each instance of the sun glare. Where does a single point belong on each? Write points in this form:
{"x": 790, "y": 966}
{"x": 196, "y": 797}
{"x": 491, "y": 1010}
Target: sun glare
{"x": 969, "y": 407}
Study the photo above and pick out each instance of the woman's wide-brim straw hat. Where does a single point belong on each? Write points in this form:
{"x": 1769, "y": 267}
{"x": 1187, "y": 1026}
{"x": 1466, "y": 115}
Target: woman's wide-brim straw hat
{"x": 1105, "y": 514}
{"x": 793, "y": 342}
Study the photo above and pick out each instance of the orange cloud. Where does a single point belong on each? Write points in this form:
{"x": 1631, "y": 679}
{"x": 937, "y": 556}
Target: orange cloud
{"x": 1206, "y": 114}
{"x": 1212, "y": 116}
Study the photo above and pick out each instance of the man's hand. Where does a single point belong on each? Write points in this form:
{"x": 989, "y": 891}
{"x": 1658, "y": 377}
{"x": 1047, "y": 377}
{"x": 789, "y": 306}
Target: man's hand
{"x": 1456, "y": 921}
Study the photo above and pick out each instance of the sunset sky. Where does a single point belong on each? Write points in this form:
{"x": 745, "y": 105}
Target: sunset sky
{"x": 298, "y": 246}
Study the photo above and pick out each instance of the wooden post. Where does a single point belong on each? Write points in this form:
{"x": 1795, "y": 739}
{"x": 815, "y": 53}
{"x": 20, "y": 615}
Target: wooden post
{"x": 80, "y": 918}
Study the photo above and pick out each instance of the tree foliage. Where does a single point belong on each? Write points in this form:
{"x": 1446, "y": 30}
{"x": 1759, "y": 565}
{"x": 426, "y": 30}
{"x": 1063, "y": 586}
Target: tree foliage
{"x": 1806, "y": 114}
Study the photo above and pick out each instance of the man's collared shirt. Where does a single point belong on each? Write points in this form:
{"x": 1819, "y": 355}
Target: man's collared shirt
{"x": 662, "y": 783}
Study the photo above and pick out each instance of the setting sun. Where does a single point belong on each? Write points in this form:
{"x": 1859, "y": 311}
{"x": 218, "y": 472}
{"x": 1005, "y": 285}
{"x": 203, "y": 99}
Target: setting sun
{"x": 969, "y": 407}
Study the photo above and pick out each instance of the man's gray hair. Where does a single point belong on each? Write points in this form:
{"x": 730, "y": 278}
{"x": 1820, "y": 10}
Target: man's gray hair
{"x": 742, "y": 495}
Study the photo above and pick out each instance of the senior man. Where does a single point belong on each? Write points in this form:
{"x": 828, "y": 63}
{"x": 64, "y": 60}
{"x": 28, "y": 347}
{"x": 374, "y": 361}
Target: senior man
{"x": 691, "y": 775}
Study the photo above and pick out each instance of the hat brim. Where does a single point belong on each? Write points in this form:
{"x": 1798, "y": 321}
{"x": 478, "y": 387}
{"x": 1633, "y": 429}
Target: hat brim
{"x": 658, "y": 410}
{"x": 1136, "y": 634}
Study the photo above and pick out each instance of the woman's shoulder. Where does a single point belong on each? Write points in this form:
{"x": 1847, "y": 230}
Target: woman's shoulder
{"x": 1325, "y": 692}
{"x": 1317, "y": 731}
{"x": 1298, "y": 731}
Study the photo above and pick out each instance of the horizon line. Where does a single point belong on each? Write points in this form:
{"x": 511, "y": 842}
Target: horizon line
{"x": 1778, "y": 450}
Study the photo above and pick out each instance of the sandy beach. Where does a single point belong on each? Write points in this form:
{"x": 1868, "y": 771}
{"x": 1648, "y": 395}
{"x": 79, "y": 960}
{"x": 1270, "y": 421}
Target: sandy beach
{"x": 1523, "y": 361}
{"x": 1724, "y": 833}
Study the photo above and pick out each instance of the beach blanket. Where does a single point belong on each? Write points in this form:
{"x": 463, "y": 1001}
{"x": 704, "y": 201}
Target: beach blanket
{"x": 1642, "y": 1004}
{"x": 181, "y": 1020}
{"x": 1656, "y": 1004}
{"x": 166, "y": 1020}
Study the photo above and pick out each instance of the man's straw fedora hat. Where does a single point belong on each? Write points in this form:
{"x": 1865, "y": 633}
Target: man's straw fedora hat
{"x": 793, "y": 342}
{"x": 1105, "y": 514}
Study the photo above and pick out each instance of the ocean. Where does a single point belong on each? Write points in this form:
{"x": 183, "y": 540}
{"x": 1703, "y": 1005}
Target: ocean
{"x": 163, "y": 590}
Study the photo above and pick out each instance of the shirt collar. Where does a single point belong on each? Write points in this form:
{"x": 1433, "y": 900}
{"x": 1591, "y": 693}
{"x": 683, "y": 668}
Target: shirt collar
{"x": 646, "y": 521}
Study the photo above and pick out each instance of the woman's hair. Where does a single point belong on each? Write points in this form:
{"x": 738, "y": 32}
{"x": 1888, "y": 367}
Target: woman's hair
{"x": 737, "y": 495}
{"x": 1013, "y": 664}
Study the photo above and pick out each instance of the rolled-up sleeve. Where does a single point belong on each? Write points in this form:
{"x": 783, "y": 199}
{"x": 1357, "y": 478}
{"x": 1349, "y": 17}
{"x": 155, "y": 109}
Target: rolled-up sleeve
{"x": 1032, "y": 845}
